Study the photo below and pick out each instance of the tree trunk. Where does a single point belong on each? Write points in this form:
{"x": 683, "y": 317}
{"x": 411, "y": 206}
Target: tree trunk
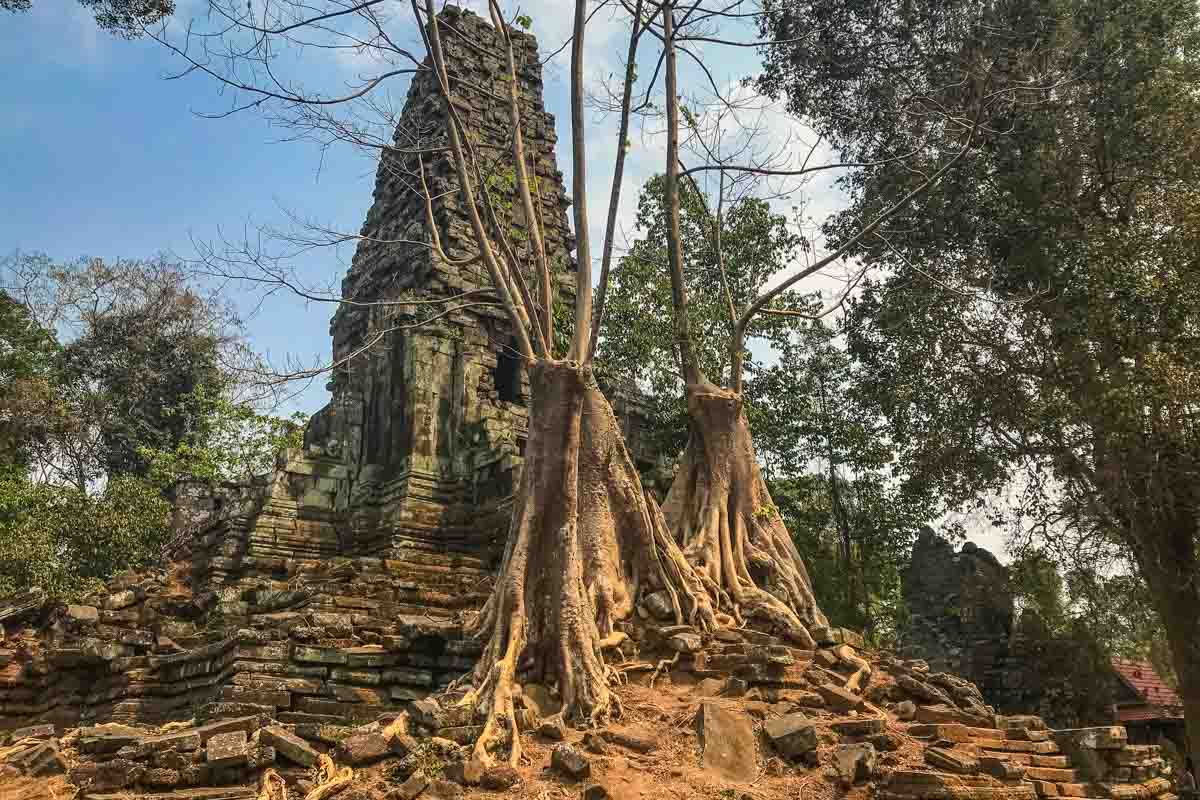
{"x": 1168, "y": 563}
{"x": 585, "y": 541}
{"x": 723, "y": 517}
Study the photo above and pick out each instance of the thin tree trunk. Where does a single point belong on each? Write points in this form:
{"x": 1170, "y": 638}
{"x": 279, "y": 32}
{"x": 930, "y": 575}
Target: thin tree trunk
{"x": 687, "y": 354}
{"x": 835, "y": 502}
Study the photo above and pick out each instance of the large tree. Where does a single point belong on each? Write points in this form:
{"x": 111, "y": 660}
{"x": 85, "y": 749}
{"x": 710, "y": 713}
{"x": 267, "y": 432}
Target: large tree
{"x": 719, "y": 505}
{"x": 822, "y": 452}
{"x": 585, "y": 540}
{"x": 1046, "y": 322}
{"x": 637, "y": 344}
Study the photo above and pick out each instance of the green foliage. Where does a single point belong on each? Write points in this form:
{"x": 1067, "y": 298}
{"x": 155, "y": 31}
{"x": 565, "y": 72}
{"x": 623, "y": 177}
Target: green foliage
{"x": 233, "y": 442}
{"x": 1034, "y": 322}
{"x": 28, "y": 353}
{"x": 852, "y": 520}
{"x": 150, "y": 359}
{"x": 96, "y": 433}
{"x": 125, "y": 18}
{"x": 68, "y": 541}
{"x": 638, "y": 346}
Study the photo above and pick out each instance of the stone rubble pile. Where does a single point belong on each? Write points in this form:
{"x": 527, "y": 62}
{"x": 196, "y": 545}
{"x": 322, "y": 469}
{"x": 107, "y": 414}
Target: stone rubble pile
{"x": 761, "y": 705}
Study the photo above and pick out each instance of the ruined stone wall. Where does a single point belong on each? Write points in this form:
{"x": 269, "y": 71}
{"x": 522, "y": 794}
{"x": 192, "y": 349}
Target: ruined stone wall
{"x": 961, "y": 620}
{"x": 960, "y": 610}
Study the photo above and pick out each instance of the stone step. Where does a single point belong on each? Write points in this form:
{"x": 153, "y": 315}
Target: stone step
{"x": 1017, "y": 746}
{"x": 1154, "y": 788}
{"x": 914, "y": 785}
{"x": 221, "y": 793}
{"x": 1025, "y": 759}
{"x": 1052, "y": 775}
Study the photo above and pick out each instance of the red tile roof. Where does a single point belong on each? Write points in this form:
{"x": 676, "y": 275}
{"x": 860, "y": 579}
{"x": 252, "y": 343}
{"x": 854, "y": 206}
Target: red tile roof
{"x": 1129, "y": 714}
{"x": 1158, "y": 698}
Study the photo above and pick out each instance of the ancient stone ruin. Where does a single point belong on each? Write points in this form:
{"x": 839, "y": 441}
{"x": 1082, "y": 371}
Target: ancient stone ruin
{"x": 962, "y": 620}
{"x": 302, "y": 642}
{"x": 960, "y": 611}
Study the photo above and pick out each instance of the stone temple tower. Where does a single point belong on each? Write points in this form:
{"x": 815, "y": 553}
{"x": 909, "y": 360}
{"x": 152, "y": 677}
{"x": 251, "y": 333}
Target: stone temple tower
{"x": 414, "y": 459}
{"x": 428, "y": 421}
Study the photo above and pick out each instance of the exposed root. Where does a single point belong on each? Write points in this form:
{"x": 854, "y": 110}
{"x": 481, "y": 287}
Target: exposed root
{"x": 722, "y": 516}
{"x": 862, "y": 670}
{"x": 271, "y": 786}
{"x": 397, "y": 727}
{"x": 662, "y": 667}
{"x": 333, "y": 780}
{"x": 584, "y": 544}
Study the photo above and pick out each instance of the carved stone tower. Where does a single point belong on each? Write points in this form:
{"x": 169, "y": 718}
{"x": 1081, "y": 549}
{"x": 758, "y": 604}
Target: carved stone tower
{"x": 414, "y": 458}
{"x": 429, "y": 420}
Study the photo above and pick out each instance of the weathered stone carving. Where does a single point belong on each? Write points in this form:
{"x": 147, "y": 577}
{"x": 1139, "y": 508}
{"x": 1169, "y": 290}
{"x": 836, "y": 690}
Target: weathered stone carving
{"x": 960, "y": 609}
{"x": 330, "y": 590}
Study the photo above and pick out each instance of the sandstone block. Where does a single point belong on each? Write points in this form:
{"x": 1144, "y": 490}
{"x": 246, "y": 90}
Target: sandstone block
{"x": 570, "y": 762}
{"x": 859, "y": 726}
{"x": 727, "y": 743}
{"x": 838, "y": 698}
{"x": 950, "y": 760}
{"x": 362, "y": 749}
{"x": 288, "y": 745}
{"x": 412, "y": 788}
{"x": 793, "y": 735}
{"x": 226, "y": 749}
{"x": 83, "y": 614}
{"x": 855, "y": 762}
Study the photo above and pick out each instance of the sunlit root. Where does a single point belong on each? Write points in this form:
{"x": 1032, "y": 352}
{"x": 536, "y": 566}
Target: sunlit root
{"x": 862, "y": 670}
{"x": 722, "y": 516}
{"x": 333, "y": 780}
{"x": 585, "y": 543}
{"x": 271, "y": 786}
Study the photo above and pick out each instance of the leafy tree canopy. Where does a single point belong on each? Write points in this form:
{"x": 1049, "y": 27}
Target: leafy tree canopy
{"x": 1037, "y": 319}
{"x": 126, "y": 18}
{"x": 96, "y": 433}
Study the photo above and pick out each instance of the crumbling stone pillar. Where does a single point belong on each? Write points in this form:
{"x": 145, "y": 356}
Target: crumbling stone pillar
{"x": 960, "y": 610}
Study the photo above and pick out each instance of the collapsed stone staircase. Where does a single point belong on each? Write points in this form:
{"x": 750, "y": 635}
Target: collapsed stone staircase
{"x": 1019, "y": 757}
{"x": 158, "y": 692}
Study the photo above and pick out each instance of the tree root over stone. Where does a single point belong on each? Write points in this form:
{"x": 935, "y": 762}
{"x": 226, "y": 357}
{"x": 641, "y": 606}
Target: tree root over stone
{"x": 584, "y": 544}
{"x": 723, "y": 517}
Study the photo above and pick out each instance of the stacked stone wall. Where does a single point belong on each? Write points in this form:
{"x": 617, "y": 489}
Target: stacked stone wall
{"x": 347, "y": 639}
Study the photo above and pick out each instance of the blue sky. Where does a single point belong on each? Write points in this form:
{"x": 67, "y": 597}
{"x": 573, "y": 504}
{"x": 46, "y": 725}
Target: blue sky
{"x": 100, "y": 155}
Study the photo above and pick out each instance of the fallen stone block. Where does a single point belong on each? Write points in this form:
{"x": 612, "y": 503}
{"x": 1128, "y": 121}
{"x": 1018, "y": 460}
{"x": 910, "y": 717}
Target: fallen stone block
{"x": 289, "y": 745}
{"x": 949, "y": 760}
{"x": 839, "y": 699}
{"x": 32, "y": 732}
{"x": 630, "y": 741}
{"x": 226, "y": 749}
{"x": 570, "y": 762}
{"x": 858, "y": 726}
{"x": 727, "y": 744}
{"x": 855, "y": 762}
{"x": 792, "y": 735}
{"x": 362, "y": 748}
